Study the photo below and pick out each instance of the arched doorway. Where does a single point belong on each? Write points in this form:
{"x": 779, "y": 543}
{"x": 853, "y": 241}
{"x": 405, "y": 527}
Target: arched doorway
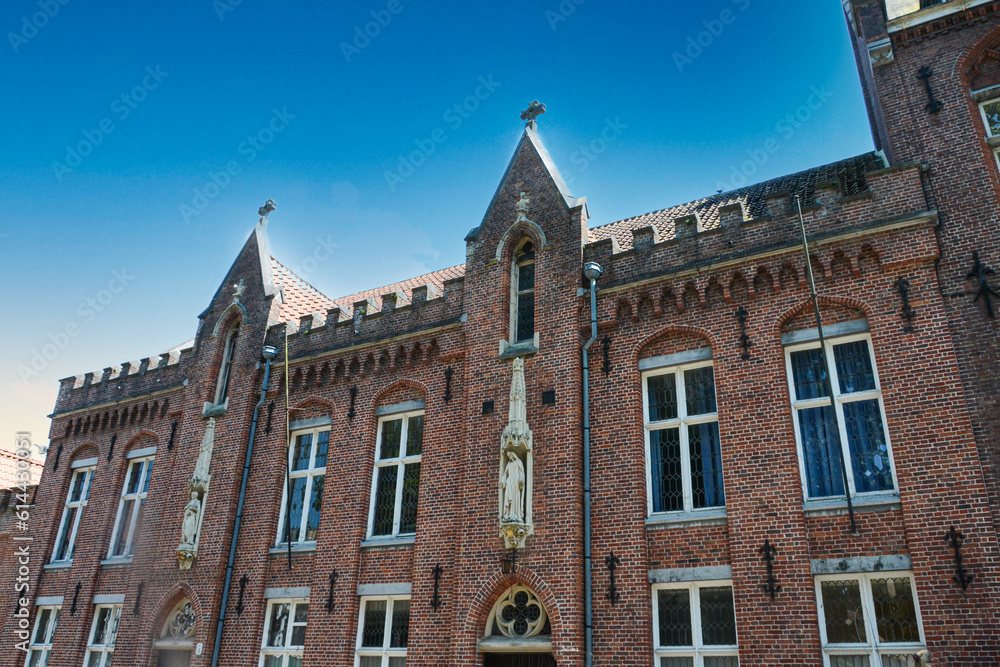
{"x": 517, "y": 631}
{"x": 176, "y": 642}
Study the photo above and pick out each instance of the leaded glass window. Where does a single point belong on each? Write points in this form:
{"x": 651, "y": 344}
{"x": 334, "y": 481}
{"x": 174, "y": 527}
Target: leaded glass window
{"x": 284, "y": 633}
{"x": 41, "y": 638}
{"x": 523, "y": 291}
{"x": 383, "y": 632}
{"x": 396, "y": 483}
{"x": 76, "y": 500}
{"x": 103, "y": 632}
{"x": 130, "y": 509}
{"x": 683, "y": 446}
{"x": 226, "y": 367}
{"x": 694, "y": 625}
{"x": 991, "y": 119}
{"x": 300, "y": 511}
{"x": 857, "y": 400}
{"x": 869, "y": 620}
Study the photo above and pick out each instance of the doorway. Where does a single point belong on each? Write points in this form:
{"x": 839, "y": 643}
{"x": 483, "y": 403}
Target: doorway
{"x": 519, "y": 660}
{"x": 173, "y": 658}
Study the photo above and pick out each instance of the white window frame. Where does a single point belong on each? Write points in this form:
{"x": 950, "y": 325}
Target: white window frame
{"x": 400, "y": 462}
{"x": 385, "y": 652}
{"x": 226, "y": 367}
{"x": 137, "y": 508}
{"x": 515, "y": 293}
{"x": 44, "y": 647}
{"x": 287, "y": 650}
{"x": 681, "y": 422}
{"x": 698, "y": 651}
{"x": 68, "y": 507}
{"x": 986, "y": 125}
{"x": 873, "y": 648}
{"x": 310, "y": 474}
{"x": 106, "y": 649}
{"x": 840, "y": 400}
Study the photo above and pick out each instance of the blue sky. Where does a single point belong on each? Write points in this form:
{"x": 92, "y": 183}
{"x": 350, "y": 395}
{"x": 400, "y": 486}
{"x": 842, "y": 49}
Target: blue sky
{"x": 140, "y": 139}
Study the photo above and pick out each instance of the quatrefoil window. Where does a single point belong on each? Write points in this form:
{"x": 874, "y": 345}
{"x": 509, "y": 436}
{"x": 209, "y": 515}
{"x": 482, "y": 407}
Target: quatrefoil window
{"x": 518, "y": 614}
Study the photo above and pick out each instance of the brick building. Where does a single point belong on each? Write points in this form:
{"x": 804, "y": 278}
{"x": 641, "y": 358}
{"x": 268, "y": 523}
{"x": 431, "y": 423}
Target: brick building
{"x": 460, "y": 439}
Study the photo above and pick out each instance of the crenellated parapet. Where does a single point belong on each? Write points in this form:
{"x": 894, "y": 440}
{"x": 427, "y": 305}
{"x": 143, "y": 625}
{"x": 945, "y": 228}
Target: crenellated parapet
{"x": 369, "y": 321}
{"x": 124, "y": 381}
{"x": 745, "y": 224}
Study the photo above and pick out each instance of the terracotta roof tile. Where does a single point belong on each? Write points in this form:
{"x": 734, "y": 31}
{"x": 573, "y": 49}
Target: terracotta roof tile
{"x": 8, "y": 470}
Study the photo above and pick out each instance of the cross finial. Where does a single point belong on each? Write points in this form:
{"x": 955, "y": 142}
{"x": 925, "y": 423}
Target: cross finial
{"x": 534, "y": 110}
{"x": 266, "y": 209}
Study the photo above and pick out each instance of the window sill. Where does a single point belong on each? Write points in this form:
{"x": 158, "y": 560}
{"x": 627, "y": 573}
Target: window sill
{"x": 510, "y": 351}
{"x": 839, "y": 505}
{"x": 297, "y": 548}
{"x": 215, "y": 409}
{"x": 712, "y": 517}
{"x": 58, "y": 565}
{"x": 386, "y": 542}
{"x": 118, "y": 560}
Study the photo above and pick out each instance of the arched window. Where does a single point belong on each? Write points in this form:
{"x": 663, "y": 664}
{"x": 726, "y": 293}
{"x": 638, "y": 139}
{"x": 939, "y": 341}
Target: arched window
{"x": 225, "y": 369}
{"x": 518, "y": 614}
{"x": 522, "y": 306}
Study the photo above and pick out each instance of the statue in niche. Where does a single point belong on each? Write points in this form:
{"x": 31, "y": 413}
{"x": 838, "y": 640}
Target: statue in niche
{"x": 192, "y": 516}
{"x": 514, "y": 487}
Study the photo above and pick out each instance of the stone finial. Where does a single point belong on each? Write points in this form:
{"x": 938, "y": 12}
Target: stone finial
{"x": 266, "y": 209}
{"x": 534, "y": 110}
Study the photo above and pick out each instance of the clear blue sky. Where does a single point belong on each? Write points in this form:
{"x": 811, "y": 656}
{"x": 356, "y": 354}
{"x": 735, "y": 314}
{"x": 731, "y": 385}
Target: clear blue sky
{"x": 199, "y": 78}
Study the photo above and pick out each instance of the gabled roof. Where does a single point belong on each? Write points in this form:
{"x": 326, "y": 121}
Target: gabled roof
{"x": 434, "y": 278}
{"x": 849, "y": 174}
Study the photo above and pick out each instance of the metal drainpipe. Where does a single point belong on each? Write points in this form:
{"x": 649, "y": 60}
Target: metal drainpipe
{"x": 593, "y": 271}
{"x": 269, "y": 354}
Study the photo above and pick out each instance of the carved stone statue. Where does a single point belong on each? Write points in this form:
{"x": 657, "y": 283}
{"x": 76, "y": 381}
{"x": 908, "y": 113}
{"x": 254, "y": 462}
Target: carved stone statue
{"x": 522, "y": 207}
{"x": 192, "y": 516}
{"x": 512, "y": 488}
{"x": 199, "y": 479}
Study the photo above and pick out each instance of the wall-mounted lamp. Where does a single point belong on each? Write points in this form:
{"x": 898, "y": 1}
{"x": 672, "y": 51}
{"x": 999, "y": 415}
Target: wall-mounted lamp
{"x": 508, "y": 563}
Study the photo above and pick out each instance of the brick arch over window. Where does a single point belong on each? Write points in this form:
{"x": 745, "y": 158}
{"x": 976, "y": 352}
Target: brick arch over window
{"x": 397, "y": 391}
{"x": 981, "y": 63}
{"x": 491, "y": 590}
{"x": 164, "y": 606}
{"x": 311, "y": 406}
{"x": 142, "y": 439}
{"x": 833, "y": 310}
{"x": 672, "y": 339}
{"x": 84, "y": 451}
{"x": 515, "y": 235}
{"x": 234, "y": 315}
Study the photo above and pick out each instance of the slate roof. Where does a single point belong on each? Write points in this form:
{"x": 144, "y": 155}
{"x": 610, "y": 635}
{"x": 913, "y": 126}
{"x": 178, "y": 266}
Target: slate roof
{"x": 8, "y": 470}
{"x": 849, "y": 173}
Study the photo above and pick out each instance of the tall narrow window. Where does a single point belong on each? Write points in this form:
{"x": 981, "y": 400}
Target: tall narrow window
{"x": 991, "y": 119}
{"x": 694, "y": 625}
{"x": 130, "y": 509}
{"x": 869, "y": 620}
{"x": 858, "y": 402}
{"x": 397, "y": 475}
{"x": 383, "y": 632}
{"x": 522, "y": 326}
{"x": 225, "y": 370}
{"x": 284, "y": 634}
{"x": 41, "y": 638}
{"x": 103, "y": 633}
{"x": 76, "y": 500}
{"x": 683, "y": 447}
{"x": 307, "y": 467}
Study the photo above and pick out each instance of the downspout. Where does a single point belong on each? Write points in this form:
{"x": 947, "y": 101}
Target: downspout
{"x": 592, "y": 271}
{"x": 269, "y": 354}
